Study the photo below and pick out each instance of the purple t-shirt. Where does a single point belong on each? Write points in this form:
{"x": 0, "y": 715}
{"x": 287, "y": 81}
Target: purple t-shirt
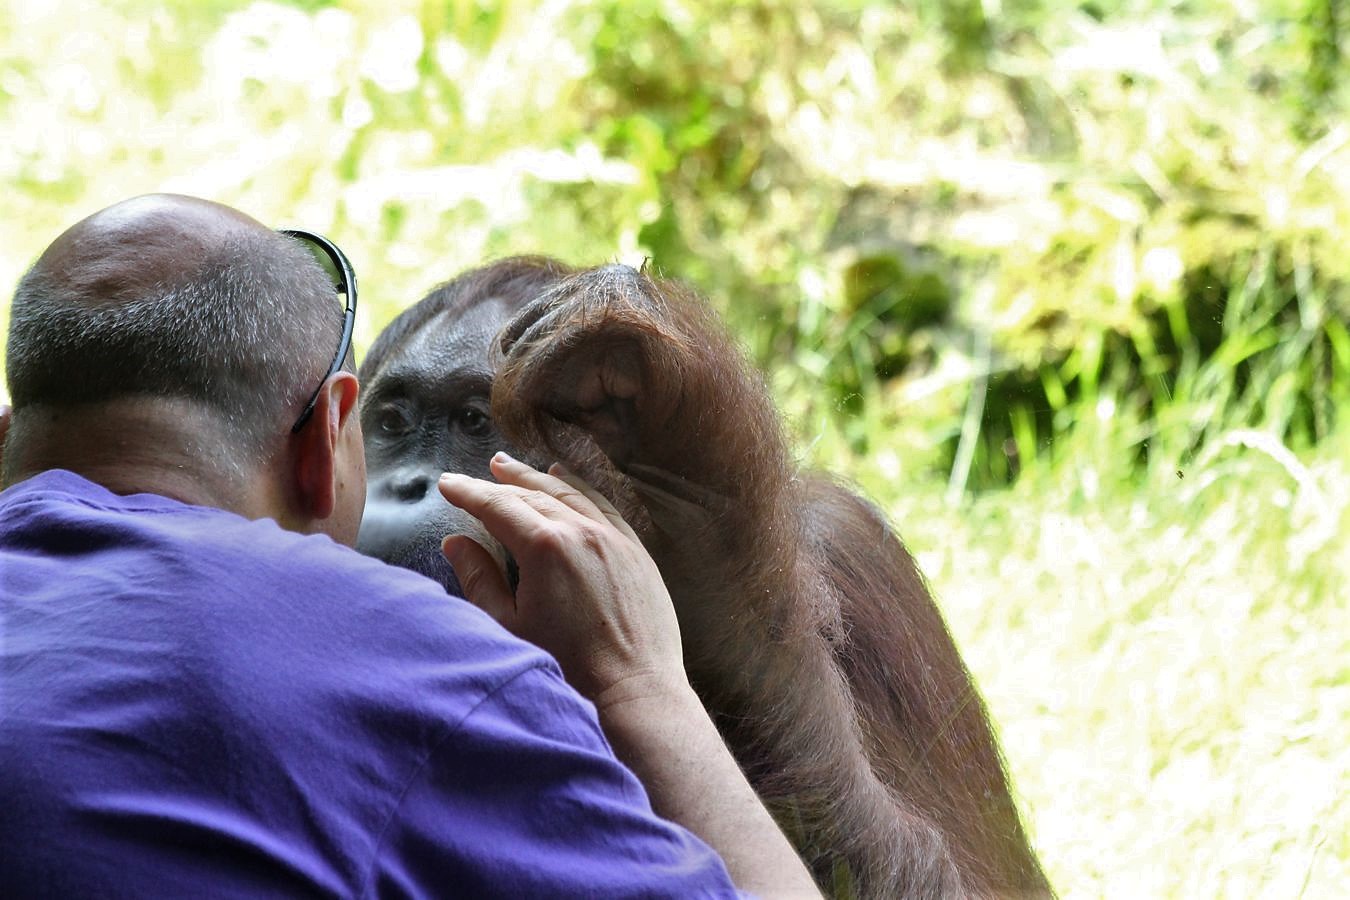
{"x": 195, "y": 704}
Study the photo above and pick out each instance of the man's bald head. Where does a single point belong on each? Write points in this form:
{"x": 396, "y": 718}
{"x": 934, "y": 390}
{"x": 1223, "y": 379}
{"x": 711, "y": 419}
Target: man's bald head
{"x": 135, "y": 246}
{"x": 174, "y": 297}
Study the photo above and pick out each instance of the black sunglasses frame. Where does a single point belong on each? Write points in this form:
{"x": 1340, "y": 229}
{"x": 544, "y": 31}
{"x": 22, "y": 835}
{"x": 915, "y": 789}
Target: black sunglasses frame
{"x": 342, "y": 267}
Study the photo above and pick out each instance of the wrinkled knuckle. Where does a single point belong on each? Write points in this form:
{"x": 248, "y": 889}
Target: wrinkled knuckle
{"x": 596, "y": 540}
{"x": 594, "y": 535}
{"x": 568, "y": 495}
{"x": 552, "y": 539}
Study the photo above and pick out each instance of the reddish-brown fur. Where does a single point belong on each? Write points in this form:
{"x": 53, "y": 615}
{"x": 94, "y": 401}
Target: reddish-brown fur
{"x": 808, "y": 631}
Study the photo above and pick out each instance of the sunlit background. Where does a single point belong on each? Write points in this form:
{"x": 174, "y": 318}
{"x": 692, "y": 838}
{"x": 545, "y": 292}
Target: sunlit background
{"x": 1064, "y": 286}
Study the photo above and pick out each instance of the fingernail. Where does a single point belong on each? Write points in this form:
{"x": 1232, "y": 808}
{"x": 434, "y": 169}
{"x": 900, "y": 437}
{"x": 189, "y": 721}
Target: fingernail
{"x": 503, "y": 456}
{"x": 559, "y": 469}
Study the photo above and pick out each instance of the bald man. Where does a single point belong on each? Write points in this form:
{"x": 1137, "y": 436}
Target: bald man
{"x": 204, "y": 690}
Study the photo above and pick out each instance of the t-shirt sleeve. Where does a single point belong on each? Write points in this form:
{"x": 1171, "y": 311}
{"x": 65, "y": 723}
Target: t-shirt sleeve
{"x": 525, "y": 799}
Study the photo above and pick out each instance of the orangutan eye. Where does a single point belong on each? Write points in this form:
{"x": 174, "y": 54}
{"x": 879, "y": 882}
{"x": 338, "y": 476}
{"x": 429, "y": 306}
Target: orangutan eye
{"x": 473, "y": 421}
{"x": 393, "y": 420}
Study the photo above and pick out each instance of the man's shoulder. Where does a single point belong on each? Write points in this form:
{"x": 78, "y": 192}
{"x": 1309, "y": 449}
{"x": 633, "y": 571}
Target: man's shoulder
{"x": 249, "y": 586}
{"x": 554, "y": 813}
{"x": 57, "y": 499}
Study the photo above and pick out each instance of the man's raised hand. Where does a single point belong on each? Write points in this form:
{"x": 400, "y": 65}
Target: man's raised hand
{"x": 589, "y": 593}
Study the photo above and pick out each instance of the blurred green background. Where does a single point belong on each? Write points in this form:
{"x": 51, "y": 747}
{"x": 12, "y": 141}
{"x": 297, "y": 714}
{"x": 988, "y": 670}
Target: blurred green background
{"x": 1064, "y": 286}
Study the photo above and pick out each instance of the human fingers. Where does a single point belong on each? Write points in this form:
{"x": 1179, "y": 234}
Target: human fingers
{"x": 499, "y": 504}
{"x": 509, "y": 470}
{"x": 480, "y": 578}
{"x": 600, "y": 501}
{"x": 526, "y": 521}
{"x": 574, "y": 491}
{"x": 587, "y": 593}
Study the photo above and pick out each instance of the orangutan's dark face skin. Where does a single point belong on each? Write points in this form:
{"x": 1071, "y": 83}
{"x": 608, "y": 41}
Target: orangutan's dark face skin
{"x": 426, "y": 412}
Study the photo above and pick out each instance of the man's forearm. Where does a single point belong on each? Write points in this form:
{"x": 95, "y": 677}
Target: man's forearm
{"x": 591, "y": 595}
{"x": 669, "y": 741}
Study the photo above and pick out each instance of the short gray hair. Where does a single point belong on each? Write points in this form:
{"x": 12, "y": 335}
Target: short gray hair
{"x": 248, "y": 334}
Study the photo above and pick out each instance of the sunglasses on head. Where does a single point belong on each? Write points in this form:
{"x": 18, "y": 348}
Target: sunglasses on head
{"x": 335, "y": 263}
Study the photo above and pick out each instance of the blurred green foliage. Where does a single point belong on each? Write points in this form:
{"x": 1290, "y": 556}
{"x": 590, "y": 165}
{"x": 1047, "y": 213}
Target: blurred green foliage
{"x": 963, "y": 226}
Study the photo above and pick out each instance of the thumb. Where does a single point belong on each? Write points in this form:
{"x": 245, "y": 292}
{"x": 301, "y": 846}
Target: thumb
{"x": 483, "y": 582}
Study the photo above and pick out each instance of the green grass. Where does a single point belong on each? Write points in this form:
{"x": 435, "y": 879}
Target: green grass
{"x": 1163, "y": 637}
{"x": 1167, "y": 662}
{"x": 1158, "y": 607}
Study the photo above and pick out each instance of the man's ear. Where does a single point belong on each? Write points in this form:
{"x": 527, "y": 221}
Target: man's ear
{"x": 317, "y": 444}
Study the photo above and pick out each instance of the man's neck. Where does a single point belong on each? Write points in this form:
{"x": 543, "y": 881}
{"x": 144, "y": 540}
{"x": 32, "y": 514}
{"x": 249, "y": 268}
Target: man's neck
{"x": 141, "y": 446}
